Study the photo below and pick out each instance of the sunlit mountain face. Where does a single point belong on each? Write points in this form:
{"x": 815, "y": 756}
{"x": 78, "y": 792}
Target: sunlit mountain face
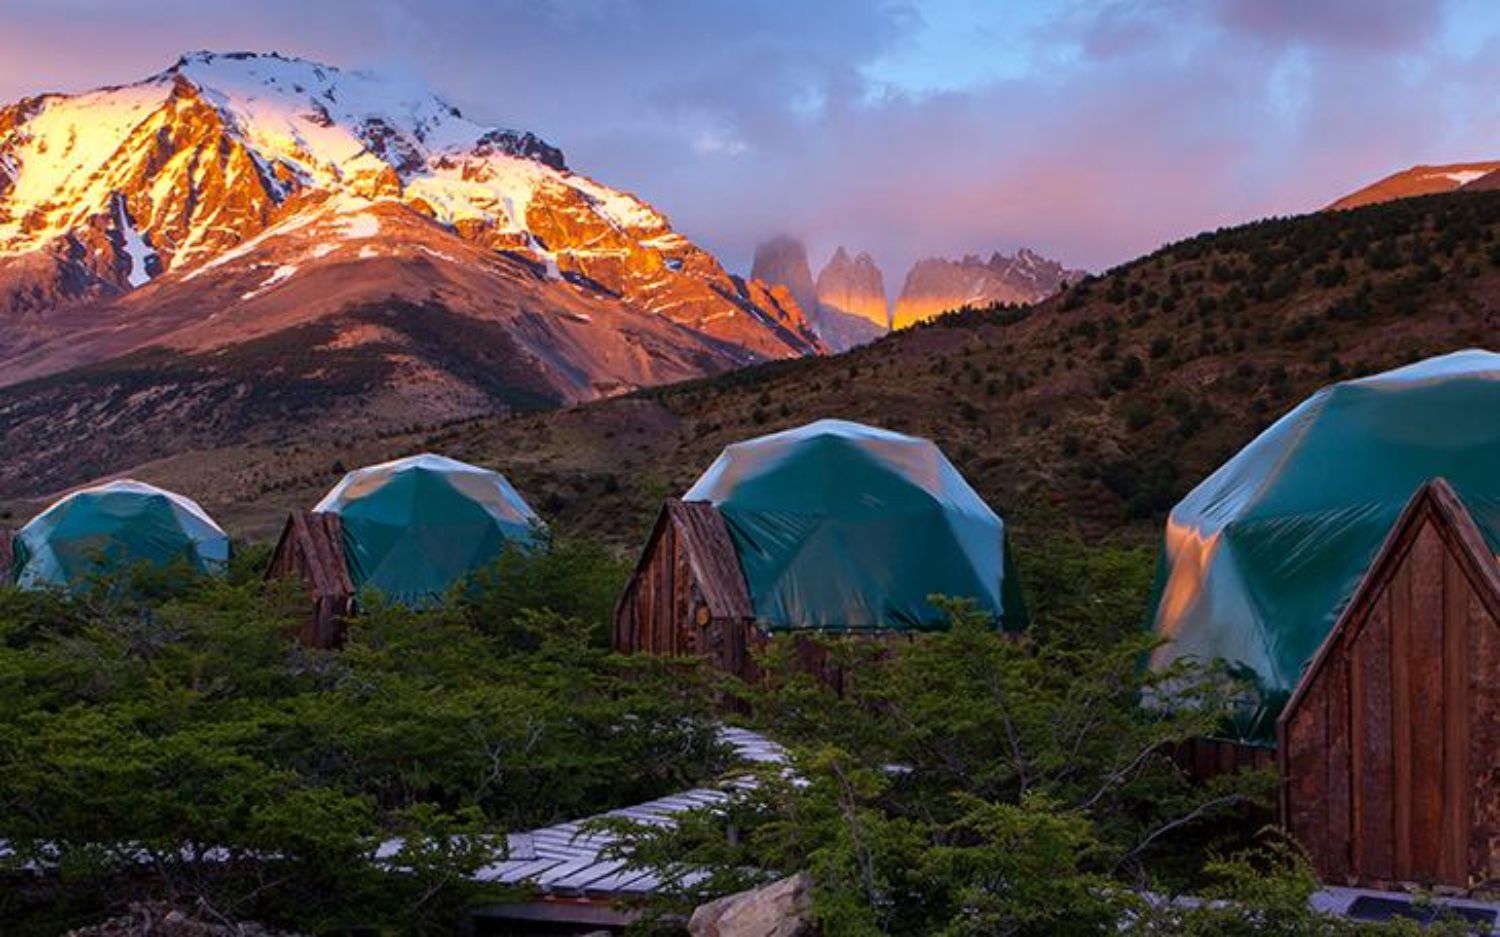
{"x": 251, "y": 246}
{"x": 187, "y": 210}
{"x": 1425, "y": 180}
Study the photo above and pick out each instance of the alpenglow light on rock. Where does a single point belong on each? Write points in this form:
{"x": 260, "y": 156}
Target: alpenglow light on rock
{"x": 108, "y": 529}
{"x": 1261, "y": 557}
{"x": 263, "y": 245}
{"x": 937, "y": 285}
{"x": 844, "y": 527}
{"x": 416, "y": 526}
{"x": 852, "y": 306}
{"x": 181, "y": 171}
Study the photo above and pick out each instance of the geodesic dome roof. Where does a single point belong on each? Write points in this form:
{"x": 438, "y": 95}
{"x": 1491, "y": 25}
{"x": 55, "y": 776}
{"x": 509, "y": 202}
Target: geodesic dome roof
{"x": 112, "y": 527}
{"x": 845, "y": 527}
{"x": 415, "y": 526}
{"x": 1261, "y": 557}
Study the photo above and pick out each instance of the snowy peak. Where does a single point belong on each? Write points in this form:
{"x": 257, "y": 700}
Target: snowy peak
{"x": 293, "y": 126}
{"x": 101, "y": 193}
{"x": 323, "y": 118}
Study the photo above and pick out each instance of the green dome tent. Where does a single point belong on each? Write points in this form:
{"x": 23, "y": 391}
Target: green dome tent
{"x": 844, "y": 527}
{"x": 415, "y": 526}
{"x": 1261, "y": 557}
{"x": 114, "y": 526}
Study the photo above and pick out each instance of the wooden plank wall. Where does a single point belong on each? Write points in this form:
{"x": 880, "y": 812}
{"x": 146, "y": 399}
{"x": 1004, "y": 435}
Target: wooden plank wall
{"x": 647, "y": 620}
{"x": 664, "y": 610}
{"x": 311, "y": 549}
{"x": 1389, "y": 748}
{"x": 688, "y": 597}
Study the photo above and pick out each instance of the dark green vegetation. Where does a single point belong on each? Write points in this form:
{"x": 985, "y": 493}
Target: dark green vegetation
{"x": 163, "y": 736}
{"x": 971, "y": 784}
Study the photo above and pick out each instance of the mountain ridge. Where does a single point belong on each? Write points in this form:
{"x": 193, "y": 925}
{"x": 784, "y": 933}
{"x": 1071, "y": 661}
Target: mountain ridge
{"x": 1420, "y": 180}
{"x": 936, "y": 284}
{"x": 181, "y": 211}
{"x": 113, "y": 189}
{"x": 850, "y": 305}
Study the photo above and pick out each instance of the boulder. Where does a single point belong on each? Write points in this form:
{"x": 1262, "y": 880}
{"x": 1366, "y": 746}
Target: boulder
{"x": 780, "y": 909}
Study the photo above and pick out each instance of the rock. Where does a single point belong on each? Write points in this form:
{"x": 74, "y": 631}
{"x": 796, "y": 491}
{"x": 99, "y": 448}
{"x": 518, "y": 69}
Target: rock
{"x": 937, "y": 285}
{"x": 853, "y": 287}
{"x": 216, "y": 160}
{"x": 782, "y": 261}
{"x": 780, "y": 909}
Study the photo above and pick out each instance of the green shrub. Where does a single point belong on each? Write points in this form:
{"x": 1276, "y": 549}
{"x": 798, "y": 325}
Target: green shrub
{"x": 164, "y": 737}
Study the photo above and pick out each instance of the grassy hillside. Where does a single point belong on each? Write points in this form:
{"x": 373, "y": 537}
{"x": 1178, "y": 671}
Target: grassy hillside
{"x": 1097, "y": 409}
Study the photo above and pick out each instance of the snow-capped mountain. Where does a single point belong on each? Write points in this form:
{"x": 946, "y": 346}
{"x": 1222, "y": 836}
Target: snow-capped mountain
{"x": 1425, "y": 180}
{"x": 936, "y": 285}
{"x": 253, "y": 246}
{"x": 259, "y": 169}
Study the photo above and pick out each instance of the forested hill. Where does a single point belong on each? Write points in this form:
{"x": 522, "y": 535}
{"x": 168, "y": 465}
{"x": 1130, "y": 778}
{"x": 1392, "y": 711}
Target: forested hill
{"x": 1101, "y": 406}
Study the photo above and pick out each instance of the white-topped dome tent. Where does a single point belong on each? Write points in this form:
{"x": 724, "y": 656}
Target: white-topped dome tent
{"x": 409, "y": 529}
{"x": 108, "y": 528}
{"x": 1260, "y": 558}
{"x": 832, "y": 527}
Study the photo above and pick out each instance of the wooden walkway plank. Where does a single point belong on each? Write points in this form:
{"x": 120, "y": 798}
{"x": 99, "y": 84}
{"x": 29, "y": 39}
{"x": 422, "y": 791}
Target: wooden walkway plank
{"x": 564, "y": 860}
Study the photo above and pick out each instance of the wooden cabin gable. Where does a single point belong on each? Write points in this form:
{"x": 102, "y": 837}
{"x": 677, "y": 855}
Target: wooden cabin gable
{"x": 1388, "y": 746}
{"x": 687, "y": 595}
{"x": 311, "y": 549}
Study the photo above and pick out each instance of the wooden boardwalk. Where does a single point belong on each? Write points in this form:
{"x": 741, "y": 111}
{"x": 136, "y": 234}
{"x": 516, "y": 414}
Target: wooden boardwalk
{"x": 564, "y": 862}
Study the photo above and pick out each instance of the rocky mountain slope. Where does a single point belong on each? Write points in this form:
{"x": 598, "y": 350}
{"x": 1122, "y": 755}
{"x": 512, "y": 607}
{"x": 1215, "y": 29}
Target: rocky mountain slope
{"x": 1093, "y": 412}
{"x": 782, "y": 261}
{"x": 852, "y": 305}
{"x": 847, "y": 304}
{"x": 257, "y": 228}
{"x": 937, "y": 285}
{"x": 1424, "y": 180}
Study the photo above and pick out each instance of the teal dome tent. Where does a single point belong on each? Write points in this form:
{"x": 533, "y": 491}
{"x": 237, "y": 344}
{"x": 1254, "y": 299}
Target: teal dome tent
{"x": 1261, "y": 557}
{"x": 415, "y": 526}
{"x": 113, "y": 527}
{"x": 845, "y": 527}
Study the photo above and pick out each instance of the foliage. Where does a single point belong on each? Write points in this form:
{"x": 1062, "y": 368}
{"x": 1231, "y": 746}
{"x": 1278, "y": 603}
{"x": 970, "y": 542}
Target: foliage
{"x": 162, "y": 736}
{"x": 1092, "y": 593}
{"x": 974, "y": 783}
{"x": 575, "y": 577}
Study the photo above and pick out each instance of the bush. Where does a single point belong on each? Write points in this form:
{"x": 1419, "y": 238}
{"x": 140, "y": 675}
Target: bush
{"x": 1031, "y": 786}
{"x": 167, "y": 738}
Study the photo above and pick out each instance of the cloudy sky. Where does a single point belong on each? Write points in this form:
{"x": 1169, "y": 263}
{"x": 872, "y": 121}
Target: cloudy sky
{"x": 1092, "y": 131}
